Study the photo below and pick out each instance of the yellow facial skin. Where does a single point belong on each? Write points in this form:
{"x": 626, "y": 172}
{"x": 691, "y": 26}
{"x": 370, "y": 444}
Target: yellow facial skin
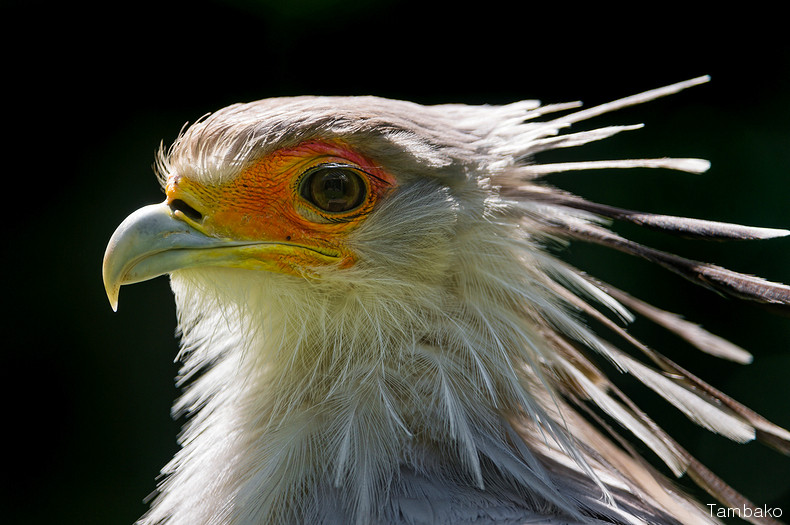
{"x": 258, "y": 220}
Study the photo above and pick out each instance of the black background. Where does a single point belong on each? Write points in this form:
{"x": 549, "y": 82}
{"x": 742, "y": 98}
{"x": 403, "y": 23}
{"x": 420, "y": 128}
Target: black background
{"x": 91, "y": 90}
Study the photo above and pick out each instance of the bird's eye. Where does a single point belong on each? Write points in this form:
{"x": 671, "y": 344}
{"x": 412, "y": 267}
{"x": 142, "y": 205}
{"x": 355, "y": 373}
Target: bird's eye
{"x": 333, "y": 188}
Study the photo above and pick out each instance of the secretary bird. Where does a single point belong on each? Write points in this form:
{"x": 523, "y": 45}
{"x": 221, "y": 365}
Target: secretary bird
{"x": 376, "y": 325}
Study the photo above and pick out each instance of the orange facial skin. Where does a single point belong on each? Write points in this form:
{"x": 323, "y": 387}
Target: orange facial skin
{"x": 263, "y": 205}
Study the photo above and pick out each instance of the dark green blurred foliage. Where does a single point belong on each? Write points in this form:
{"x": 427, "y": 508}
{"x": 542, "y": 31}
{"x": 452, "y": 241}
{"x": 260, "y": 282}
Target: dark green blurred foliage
{"x": 91, "y": 90}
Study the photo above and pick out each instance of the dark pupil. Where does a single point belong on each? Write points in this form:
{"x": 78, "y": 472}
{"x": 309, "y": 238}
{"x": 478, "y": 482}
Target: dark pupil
{"x": 335, "y": 189}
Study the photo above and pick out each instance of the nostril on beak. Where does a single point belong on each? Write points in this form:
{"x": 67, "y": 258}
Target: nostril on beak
{"x": 186, "y": 209}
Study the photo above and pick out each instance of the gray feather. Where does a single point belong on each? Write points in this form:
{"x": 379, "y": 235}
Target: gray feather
{"x": 711, "y": 276}
{"x": 684, "y": 226}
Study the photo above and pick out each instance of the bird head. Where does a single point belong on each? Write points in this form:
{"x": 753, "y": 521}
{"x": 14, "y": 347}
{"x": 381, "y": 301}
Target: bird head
{"x": 305, "y": 188}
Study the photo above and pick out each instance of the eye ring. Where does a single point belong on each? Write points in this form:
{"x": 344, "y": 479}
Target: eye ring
{"x": 333, "y": 188}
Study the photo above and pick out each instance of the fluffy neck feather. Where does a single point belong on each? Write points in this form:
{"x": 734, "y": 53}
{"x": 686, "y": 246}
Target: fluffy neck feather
{"x": 336, "y": 391}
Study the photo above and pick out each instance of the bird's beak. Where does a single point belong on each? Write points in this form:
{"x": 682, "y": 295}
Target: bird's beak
{"x": 150, "y": 242}
{"x": 154, "y": 241}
